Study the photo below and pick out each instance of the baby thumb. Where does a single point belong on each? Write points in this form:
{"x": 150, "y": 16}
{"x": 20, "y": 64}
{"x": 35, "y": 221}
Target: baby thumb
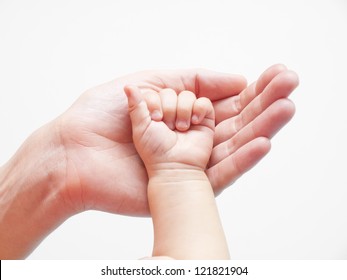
{"x": 138, "y": 110}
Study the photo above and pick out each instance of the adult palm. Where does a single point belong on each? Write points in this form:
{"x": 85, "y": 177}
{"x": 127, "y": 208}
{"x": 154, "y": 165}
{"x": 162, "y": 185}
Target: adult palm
{"x": 103, "y": 169}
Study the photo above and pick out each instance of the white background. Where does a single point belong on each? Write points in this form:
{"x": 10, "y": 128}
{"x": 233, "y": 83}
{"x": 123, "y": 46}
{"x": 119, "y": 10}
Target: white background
{"x": 293, "y": 205}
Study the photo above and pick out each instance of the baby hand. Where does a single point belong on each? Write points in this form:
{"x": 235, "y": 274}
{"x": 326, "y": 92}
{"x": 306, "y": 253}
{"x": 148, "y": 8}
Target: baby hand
{"x": 179, "y": 136}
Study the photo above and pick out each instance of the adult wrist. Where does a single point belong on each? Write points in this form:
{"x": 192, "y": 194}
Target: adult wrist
{"x": 32, "y": 193}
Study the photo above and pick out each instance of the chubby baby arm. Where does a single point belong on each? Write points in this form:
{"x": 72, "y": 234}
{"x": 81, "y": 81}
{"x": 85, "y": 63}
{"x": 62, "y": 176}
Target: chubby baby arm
{"x": 175, "y": 148}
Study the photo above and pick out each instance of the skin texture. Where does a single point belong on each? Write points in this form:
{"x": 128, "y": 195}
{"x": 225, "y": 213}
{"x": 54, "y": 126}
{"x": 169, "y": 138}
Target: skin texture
{"x": 85, "y": 158}
{"x": 97, "y": 138}
{"x": 175, "y": 152}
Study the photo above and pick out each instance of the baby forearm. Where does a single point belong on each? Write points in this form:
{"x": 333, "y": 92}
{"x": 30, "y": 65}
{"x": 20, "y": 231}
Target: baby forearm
{"x": 185, "y": 216}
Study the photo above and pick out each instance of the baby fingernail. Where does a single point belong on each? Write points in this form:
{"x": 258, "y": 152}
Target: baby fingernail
{"x": 156, "y": 115}
{"x": 182, "y": 125}
{"x": 195, "y": 119}
{"x": 171, "y": 125}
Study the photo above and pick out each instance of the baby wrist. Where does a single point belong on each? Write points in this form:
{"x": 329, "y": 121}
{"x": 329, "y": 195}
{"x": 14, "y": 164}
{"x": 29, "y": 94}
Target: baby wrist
{"x": 177, "y": 176}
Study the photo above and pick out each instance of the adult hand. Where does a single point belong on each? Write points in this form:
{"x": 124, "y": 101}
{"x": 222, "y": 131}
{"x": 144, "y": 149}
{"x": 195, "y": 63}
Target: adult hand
{"x": 103, "y": 169}
{"x": 85, "y": 159}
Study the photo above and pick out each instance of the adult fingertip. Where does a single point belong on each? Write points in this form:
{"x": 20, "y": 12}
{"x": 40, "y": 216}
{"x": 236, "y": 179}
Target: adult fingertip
{"x": 278, "y": 67}
{"x": 239, "y": 82}
{"x": 263, "y": 144}
{"x": 293, "y": 77}
{"x": 242, "y": 80}
{"x": 290, "y": 79}
{"x": 268, "y": 75}
{"x": 285, "y": 108}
